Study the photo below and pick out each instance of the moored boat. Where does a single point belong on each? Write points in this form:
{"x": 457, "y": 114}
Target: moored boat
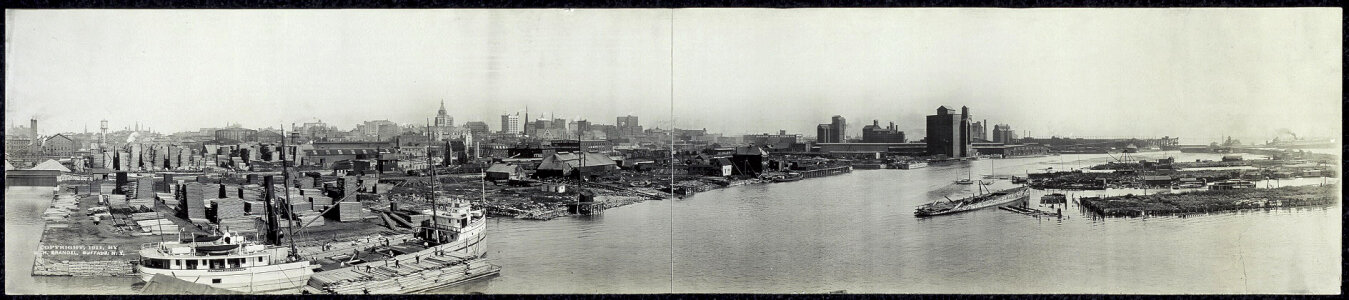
{"x": 911, "y": 165}
{"x": 232, "y": 262}
{"x": 228, "y": 262}
{"x": 789, "y": 177}
{"x": 447, "y": 250}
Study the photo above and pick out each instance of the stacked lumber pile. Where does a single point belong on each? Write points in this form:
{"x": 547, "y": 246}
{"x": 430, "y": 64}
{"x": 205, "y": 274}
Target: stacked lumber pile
{"x": 95, "y": 186}
{"x": 179, "y": 192}
{"x": 144, "y": 216}
{"x": 118, "y": 203}
{"x": 301, "y": 206}
{"x": 145, "y": 187}
{"x": 311, "y": 218}
{"x": 135, "y": 157}
{"x": 158, "y": 226}
{"x": 123, "y": 160}
{"x": 164, "y": 197}
{"x": 175, "y": 157}
{"x": 227, "y": 208}
{"x": 310, "y": 191}
{"x": 155, "y": 156}
{"x": 139, "y": 204}
{"x": 251, "y": 192}
{"x": 254, "y": 207}
{"x": 319, "y": 200}
{"x": 348, "y": 184}
{"x": 163, "y": 185}
{"x": 193, "y": 205}
{"x": 240, "y": 225}
{"x": 348, "y": 211}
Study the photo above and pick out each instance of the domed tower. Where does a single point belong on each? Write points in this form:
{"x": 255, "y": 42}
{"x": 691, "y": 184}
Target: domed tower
{"x": 443, "y": 119}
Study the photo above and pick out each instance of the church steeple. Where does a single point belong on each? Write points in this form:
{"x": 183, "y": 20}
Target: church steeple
{"x": 442, "y": 108}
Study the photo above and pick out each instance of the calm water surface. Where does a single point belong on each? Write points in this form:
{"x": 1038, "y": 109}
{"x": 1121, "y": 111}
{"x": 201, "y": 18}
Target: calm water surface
{"x": 856, "y": 232}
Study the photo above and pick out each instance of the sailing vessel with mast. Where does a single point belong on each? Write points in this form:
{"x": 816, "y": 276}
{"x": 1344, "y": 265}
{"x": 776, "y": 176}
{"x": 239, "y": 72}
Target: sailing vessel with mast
{"x": 232, "y": 262}
{"x": 973, "y": 202}
{"x": 993, "y": 173}
{"x": 447, "y": 250}
{"x": 969, "y": 179}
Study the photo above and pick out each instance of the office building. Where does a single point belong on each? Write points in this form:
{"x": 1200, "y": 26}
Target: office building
{"x": 477, "y": 128}
{"x": 510, "y": 124}
{"x": 628, "y": 126}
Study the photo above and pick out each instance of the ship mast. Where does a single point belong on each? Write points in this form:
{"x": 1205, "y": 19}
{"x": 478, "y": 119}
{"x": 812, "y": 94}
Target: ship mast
{"x": 483, "y": 180}
{"x": 580, "y": 174}
{"x": 435, "y": 228}
{"x": 285, "y": 188}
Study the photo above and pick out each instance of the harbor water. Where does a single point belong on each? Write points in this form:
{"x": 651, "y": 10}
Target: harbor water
{"x": 856, "y": 232}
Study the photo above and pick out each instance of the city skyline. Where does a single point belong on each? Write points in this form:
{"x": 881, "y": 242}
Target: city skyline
{"x": 669, "y": 151}
{"x": 731, "y": 71}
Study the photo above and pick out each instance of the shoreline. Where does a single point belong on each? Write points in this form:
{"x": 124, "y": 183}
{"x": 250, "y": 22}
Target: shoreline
{"x": 618, "y": 196}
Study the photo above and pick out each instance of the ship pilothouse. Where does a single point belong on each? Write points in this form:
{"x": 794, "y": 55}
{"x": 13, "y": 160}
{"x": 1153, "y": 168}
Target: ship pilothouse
{"x": 451, "y": 223}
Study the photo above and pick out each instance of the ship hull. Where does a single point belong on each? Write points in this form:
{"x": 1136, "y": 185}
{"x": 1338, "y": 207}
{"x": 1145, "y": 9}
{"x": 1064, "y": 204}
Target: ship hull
{"x": 911, "y": 166}
{"x": 1007, "y": 196}
{"x": 469, "y": 246}
{"x": 286, "y": 278}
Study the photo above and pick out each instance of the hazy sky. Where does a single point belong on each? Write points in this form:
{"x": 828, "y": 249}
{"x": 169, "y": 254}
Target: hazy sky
{"x": 1194, "y": 73}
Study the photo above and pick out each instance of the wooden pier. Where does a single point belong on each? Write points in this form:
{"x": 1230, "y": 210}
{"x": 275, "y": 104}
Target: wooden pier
{"x": 1031, "y": 212}
{"x": 826, "y": 172}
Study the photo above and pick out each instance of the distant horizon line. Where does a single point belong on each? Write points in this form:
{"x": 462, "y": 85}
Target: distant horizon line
{"x": 802, "y": 135}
